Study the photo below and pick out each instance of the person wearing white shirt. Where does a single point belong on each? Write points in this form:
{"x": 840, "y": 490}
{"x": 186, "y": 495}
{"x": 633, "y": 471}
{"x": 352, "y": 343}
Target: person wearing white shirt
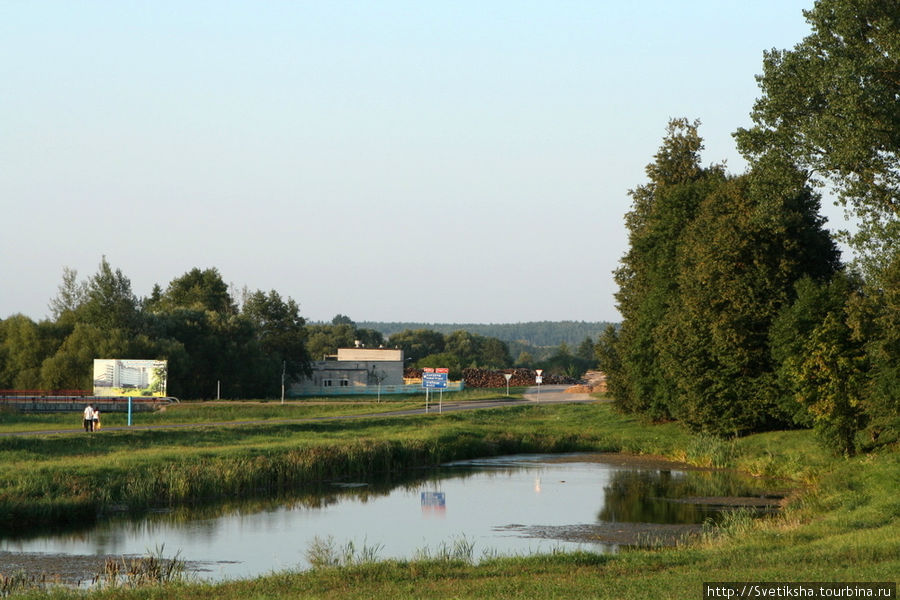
{"x": 88, "y": 418}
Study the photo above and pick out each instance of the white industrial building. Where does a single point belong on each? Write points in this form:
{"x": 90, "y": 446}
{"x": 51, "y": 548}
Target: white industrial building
{"x": 354, "y": 369}
{"x": 122, "y": 374}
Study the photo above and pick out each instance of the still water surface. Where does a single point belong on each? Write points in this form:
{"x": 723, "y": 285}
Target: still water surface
{"x": 497, "y": 504}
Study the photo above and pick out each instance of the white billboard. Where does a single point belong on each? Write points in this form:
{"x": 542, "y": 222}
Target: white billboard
{"x": 130, "y": 377}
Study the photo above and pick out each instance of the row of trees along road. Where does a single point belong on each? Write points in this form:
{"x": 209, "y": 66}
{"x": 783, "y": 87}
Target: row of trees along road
{"x": 212, "y": 343}
{"x": 194, "y": 323}
{"x": 738, "y": 315}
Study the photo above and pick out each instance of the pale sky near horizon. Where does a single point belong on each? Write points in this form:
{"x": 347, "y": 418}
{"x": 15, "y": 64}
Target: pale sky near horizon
{"x": 463, "y": 161}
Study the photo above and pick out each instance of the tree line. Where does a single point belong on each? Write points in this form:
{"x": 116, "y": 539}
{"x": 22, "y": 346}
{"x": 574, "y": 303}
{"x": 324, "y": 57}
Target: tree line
{"x": 195, "y": 324}
{"x": 457, "y": 349}
{"x": 539, "y": 334}
{"x": 738, "y": 314}
{"x": 215, "y": 343}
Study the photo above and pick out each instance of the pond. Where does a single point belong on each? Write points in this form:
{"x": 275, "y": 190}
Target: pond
{"x": 508, "y": 505}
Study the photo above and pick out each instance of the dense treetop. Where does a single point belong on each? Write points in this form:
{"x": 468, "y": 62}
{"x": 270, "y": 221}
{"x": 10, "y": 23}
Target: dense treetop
{"x": 737, "y": 313}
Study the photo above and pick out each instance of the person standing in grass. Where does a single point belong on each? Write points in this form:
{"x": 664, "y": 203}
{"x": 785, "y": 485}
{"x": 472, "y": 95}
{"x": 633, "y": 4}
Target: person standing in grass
{"x": 96, "y": 419}
{"x": 88, "y": 418}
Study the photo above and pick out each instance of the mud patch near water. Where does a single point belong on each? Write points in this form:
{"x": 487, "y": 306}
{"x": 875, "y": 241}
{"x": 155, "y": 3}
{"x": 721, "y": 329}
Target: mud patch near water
{"x": 70, "y": 569}
{"x": 614, "y": 534}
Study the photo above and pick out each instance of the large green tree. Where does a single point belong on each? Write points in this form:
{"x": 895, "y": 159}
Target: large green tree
{"x": 324, "y": 340}
{"x": 72, "y": 294}
{"x": 108, "y": 301}
{"x": 494, "y": 354}
{"x": 280, "y": 330}
{"x": 793, "y": 327}
{"x": 72, "y": 365}
{"x": 465, "y": 346}
{"x": 195, "y": 290}
{"x": 97, "y": 318}
{"x": 211, "y": 353}
{"x": 648, "y": 286}
{"x": 712, "y": 259}
{"x": 831, "y": 104}
{"x": 24, "y": 345}
{"x": 820, "y": 363}
{"x": 752, "y": 237}
{"x": 417, "y": 343}
{"x": 874, "y": 318}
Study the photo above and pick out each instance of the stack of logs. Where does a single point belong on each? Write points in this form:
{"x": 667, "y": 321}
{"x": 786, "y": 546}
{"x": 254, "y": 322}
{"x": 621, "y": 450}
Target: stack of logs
{"x": 485, "y": 378}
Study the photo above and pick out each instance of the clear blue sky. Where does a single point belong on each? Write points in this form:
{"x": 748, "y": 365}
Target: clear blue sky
{"x": 463, "y": 161}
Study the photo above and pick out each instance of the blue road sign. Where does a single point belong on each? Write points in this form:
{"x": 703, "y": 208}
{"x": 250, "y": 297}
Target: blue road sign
{"x": 434, "y": 380}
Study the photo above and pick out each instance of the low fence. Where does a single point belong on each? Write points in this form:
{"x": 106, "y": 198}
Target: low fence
{"x": 298, "y": 391}
{"x": 32, "y": 403}
{"x": 45, "y": 393}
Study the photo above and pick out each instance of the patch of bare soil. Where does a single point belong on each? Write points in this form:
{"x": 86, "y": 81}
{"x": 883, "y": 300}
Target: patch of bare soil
{"x": 578, "y": 389}
{"x": 57, "y": 568}
{"x": 585, "y": 389}
{"x": 619, "y": 534}
{"x": 65, "y": 569}
{"x": 595, "y": 381}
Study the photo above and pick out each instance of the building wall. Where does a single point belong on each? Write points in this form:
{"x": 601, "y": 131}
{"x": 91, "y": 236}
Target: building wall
{"x": 358, "y": 367}
{"x": 369, "y": 354}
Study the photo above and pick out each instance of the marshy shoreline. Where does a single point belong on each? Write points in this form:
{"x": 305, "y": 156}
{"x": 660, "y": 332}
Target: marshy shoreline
{"x": 840, "y": 524}
{"x": 77, "y": 569}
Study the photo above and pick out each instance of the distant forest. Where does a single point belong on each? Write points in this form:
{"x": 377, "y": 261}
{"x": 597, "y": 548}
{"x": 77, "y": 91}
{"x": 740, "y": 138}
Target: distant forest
{"x": 534, "y": 333}
{"x": 219, "y": 345}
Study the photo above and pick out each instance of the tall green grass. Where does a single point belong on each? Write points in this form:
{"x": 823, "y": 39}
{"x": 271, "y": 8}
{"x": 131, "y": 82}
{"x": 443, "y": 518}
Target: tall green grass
{"x": 843, "y": 524}
{"x": 66, "y": 479}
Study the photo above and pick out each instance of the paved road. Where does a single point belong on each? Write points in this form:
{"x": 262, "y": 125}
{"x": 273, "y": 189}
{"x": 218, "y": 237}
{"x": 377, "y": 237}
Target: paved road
{"x": 545, "y": 394}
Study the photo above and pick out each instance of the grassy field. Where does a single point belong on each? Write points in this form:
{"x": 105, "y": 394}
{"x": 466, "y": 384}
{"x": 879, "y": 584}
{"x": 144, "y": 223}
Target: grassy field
{"x": 253, "y": 410}
{"x": 842, "y": 525}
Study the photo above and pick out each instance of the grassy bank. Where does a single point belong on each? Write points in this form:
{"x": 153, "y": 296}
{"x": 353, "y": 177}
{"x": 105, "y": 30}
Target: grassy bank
{"x": 237, "y": 411}
{"x": 68, "y": 479}
{"x": 212, "y": 412}
{"x": 842, "y": 525}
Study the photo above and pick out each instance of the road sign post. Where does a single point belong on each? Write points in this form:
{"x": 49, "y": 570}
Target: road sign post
{"x": 446, "y": 373}
{"x": 508, "y": 377}
{"x": 539, "y": 380}
{"x": 435, "y": 379}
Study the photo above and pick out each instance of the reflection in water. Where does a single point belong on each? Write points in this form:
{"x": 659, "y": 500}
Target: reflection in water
{"x": 641, "y": 497}
{"x": 506, "y": 505}
{"x": 675, "y": 497}
{"x": 434, "y": 504}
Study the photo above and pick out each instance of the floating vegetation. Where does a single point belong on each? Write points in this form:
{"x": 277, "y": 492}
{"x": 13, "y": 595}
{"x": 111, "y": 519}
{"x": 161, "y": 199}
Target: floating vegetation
{"x": 152, "y": 569}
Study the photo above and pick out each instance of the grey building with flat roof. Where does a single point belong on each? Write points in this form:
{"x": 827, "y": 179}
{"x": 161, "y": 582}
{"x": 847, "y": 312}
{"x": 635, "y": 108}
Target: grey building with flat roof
{"x": 355, "y": 367}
